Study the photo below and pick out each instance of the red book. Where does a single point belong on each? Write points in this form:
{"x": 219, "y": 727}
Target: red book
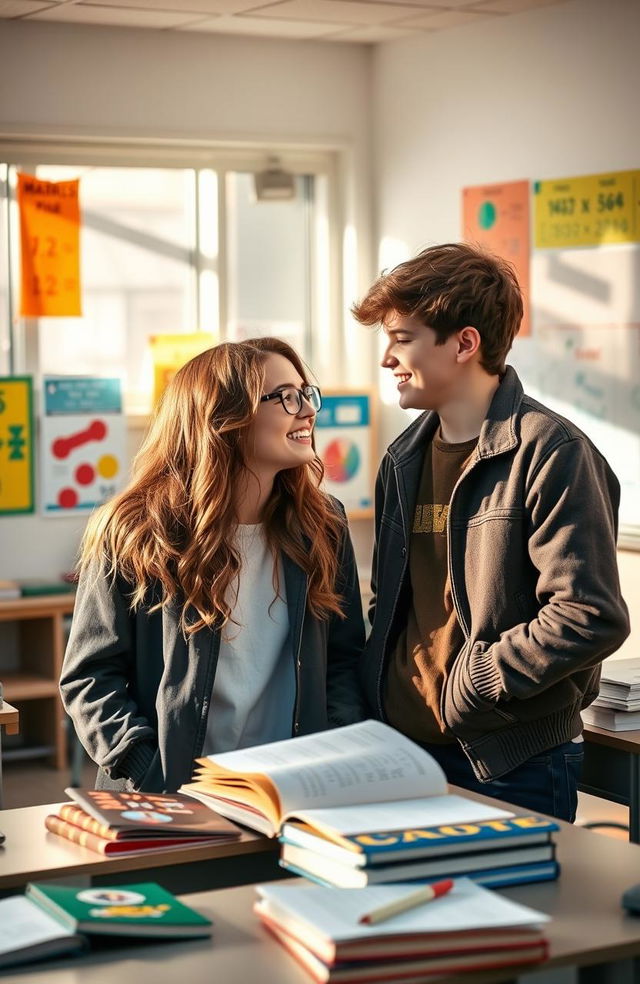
{"x": 408, "y": 970}
{"x": 124, "y": 816}
{"x": 114, "y": 846}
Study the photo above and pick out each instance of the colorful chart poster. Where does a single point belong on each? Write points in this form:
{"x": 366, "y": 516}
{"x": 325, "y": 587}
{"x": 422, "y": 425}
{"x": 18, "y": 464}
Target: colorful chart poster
{"x": 170, "y": 352}
{"x": 496, "y": 216}
{"x": 344, "y": 442}
{"x": 82, "y": 443}
{"x": 591, "y": 210}
{"x": 49, "y": 247}
{"x": 16, "y": 445}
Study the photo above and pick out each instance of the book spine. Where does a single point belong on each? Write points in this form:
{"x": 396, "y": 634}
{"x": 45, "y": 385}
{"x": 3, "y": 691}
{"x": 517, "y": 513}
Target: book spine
{"x": 83, "y": 837}
{"x": 492, "y": 878}
{"x": 78, "y": 817}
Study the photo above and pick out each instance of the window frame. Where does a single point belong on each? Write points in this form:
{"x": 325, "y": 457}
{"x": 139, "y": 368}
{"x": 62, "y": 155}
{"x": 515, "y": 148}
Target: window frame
{"x": 326, "y": 313}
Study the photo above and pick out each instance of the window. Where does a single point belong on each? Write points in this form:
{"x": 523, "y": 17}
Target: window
{"x": 167, "y": 249}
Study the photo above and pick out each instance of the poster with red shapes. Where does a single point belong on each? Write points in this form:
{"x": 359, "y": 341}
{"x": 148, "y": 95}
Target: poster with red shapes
{"x": 82, "y": 442}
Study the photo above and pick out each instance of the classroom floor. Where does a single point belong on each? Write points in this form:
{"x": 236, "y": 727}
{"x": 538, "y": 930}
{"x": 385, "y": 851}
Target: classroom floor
{"x": 32, "y": 783}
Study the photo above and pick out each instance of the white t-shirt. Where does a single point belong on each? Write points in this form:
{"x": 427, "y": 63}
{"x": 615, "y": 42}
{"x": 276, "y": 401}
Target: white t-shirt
{"x": 254, "y": 689}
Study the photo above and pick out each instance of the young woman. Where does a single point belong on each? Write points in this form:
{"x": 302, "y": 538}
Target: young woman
{"x": 218, "y": 604}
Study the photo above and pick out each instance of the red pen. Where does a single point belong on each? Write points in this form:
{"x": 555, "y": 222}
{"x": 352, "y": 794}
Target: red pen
{"x": 425, "y": 894}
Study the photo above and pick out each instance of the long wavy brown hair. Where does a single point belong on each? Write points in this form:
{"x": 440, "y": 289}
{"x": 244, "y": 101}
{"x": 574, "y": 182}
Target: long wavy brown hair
{"x": 174, "y": 524}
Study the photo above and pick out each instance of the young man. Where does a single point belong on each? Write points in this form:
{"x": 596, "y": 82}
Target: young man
{"x": 495, "y": 584}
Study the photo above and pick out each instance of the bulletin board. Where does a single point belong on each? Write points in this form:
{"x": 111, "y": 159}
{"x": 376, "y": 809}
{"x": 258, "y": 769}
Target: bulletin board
{"x": 583, "y": 355}
{"x": 345, "y": 441}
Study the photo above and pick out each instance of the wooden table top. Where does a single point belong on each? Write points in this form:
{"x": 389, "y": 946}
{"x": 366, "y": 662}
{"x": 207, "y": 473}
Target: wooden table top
{"x": 30, "y": 852}
{"x": 624, "y": 741}
{"x": 588, "y": 927}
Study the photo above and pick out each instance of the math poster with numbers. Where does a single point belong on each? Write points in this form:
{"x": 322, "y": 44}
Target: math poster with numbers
{"x": 16, "y": 445}
{"x": 496, "y": 216}
{"x": 49, "y": 247}
{"x": 83, "y": 442}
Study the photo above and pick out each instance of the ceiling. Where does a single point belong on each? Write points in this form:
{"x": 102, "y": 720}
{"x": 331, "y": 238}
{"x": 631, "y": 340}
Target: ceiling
{"x": 364, "y": 21}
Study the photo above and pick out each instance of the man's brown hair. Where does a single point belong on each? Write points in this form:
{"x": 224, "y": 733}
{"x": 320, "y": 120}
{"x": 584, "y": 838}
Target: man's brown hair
{"x": 449, "y": 287}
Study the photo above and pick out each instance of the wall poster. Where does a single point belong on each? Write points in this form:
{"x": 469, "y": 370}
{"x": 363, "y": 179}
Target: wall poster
{"x": 496, "y": 216}
{"x": 49, "y": 247}
{"x": 82, "y": 441}
{"x": 16, "y": 445}
{"x": 344, "y": 437}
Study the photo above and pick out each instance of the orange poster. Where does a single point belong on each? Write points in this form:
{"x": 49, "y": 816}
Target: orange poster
{"x": 497, "y": 216}
{"x": 50, "y": 247}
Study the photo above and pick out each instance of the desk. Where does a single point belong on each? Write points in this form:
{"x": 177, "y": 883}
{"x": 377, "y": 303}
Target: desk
{"x": 612, "y": 770}
{"x": 31, "y": 853}
{"x": 8, "y": 720}
{"x": 589, "y": 930}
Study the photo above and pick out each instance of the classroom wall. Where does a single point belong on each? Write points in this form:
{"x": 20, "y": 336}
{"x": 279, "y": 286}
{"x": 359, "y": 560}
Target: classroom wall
{"x": 81, "y": 81}
{"x": 539, "y": 94}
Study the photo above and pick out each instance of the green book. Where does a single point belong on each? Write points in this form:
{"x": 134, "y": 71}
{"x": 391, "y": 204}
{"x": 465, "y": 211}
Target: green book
{"x": 36, "y": 587}
{"x": 144, "y": 909}
{"x": 51, "y": 920}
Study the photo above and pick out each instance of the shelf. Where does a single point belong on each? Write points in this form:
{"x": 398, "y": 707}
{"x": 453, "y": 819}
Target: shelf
{"x": 27, "y": 752}
{"x": 33, "y": 683}
{"x": 27, "y": 686}
{"x": 40, "y": 606}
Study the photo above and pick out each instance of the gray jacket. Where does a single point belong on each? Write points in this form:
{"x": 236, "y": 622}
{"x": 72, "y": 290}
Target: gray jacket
{"x": 138, "y": 692}
{"x": 532, "y": 562}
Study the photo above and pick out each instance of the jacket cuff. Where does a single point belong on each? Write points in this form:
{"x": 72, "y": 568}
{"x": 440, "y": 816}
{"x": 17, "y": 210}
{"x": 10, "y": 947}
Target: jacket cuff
{"x": 136, "y": 763}
{"x": 483, "y": 676}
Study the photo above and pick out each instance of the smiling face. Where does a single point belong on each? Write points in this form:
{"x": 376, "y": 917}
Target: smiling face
{"x": 427, "y": 374}
{"x": 276, "y": 440}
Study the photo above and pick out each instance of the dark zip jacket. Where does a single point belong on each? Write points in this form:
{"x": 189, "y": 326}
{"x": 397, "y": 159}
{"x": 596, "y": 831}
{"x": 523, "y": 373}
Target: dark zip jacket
{"x": 138, "y": 692}
{"x": 532, "y": 561}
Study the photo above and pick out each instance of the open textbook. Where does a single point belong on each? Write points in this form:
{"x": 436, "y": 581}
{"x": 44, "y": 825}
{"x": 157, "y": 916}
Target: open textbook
{"x": 350, "y": 780}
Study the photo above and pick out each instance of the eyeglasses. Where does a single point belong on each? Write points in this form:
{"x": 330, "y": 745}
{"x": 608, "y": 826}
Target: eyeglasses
{"x": 291, "y": 398}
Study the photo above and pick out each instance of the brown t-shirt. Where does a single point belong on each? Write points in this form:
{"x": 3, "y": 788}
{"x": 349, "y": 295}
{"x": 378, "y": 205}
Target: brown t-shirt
{"x": 433, "y": 635}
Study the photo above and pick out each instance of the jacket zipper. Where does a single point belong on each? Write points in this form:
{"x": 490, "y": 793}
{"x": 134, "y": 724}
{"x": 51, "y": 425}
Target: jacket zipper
{"x": 454, "y": 593}
{"x": 296, "y": 663}
{"x": 214, "y": 649}
{"x": 395, "y": 601}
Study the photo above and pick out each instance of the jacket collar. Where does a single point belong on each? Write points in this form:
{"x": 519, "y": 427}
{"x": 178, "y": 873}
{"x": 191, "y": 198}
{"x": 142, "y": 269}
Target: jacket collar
{"x": 498, "y": 433}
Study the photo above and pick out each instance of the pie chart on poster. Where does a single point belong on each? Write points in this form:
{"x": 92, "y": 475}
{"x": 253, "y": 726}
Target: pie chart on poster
{"x": 341, "y": 460}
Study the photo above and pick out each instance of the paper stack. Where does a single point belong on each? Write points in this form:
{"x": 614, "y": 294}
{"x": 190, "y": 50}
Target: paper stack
{"x": 470, "y": 928}
{"x": 617, "y": 707}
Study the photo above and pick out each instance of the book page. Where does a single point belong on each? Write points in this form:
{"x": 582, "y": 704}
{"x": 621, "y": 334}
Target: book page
{"x": 23, "y": 925}
{"x": 410, "y": 814}
{"x": 361, "y": 763}
{"x": 335, "y": 912}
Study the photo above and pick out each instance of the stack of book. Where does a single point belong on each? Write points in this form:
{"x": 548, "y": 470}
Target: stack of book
{"x": 617, "y": 706}
{"x": 498, "y": 852}
{"x": 49, "y": 920}
{"x": 469, "y": 928}
{"x": 9, "y": 590}
{"x": 117, "y": 824}
{"x": 365, "y": 805}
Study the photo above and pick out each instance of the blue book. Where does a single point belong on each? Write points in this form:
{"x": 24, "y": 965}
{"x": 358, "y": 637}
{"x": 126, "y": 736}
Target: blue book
{"x": 335, "y": 872}
{"x": 499, "y": 877}
{"x": 367, "y": 849}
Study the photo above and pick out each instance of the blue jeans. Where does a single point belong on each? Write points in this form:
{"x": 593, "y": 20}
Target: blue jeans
{"x": 546, "y": 783}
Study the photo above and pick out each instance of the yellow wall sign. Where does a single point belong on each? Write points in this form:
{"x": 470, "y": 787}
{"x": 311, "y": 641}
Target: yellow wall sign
{"x": 16, "y": 445}
{"x": 50, "y": 247}
{"x": 170, "y": 352}
{"x": 587, "y": 211}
